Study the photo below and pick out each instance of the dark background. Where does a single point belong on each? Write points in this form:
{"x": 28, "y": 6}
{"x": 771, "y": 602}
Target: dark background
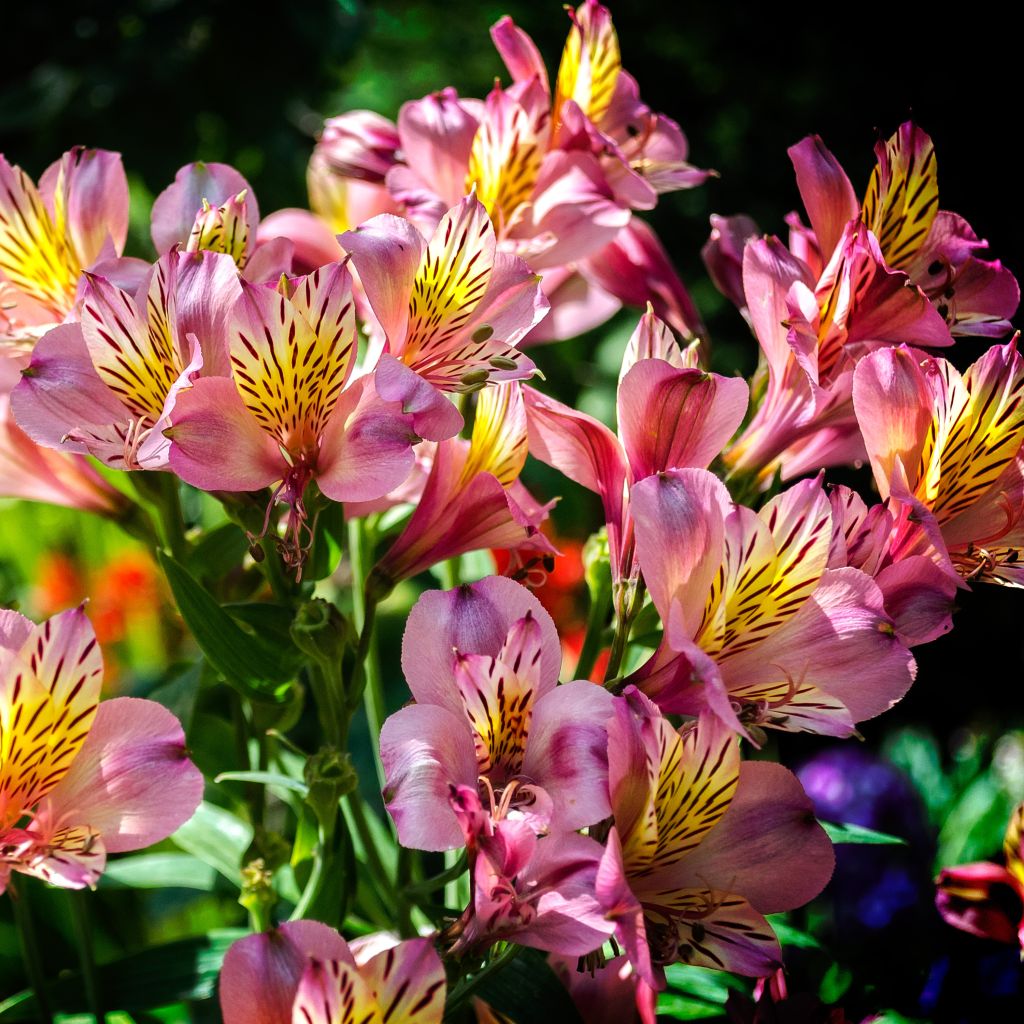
{"x": 167, "y": 82}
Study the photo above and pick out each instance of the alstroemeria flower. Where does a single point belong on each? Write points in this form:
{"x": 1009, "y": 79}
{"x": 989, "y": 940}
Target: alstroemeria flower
{"x": 670, "y": 415}
{"x": 452, "y": 310}
{"x": 48, "y": 236}
{"x": 305, "y": 973}
{"x": 754, "y": 619}
{"x": 285, "y": 417}
{"x": 610, "y": 994}
{"x": 80, "y": 779}
{"x": 812, "y": 328}
{"x": 538, "y": 891}
{"x": 934, "y": 248}
{"x": 946, "y": 450}
{"x": 986, "y": 899}
{"x": 493, "y": 719}
{"x": 210, "y": 207}
{"x": 703, "y": 846}
{"x": 106, "y": 386}
{"x": 473, "y": 498}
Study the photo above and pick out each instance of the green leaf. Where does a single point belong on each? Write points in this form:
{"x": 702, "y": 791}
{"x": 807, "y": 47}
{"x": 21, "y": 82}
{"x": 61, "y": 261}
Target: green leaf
{"x": 248, "y": 664}
{"x": 835, "y": 983}
{"x": 790, "y": 936}
{"x": 218, "y": 552}
{"x": 328, "y": 543}
{"x": 527, "y": 990}
{"x": 159, "y": 871}
{"x": 183, "y": 970}
{"x": 216, "y": 837}
{"x": 266, "y": 779}
{"x": 848, "y": 833}
{"x": 702, "y": 982}
{"x": 671, "y": 1004}
{"x": 976, "y": 822}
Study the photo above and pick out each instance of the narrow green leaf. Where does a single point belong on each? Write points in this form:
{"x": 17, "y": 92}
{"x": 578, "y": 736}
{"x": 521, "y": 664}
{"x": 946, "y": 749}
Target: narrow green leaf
{"x": 216, "y": 837}
{"x": 249, "y": 664}
{"x": 266, "y": 779}
{"x": 158, "y": 871}
{"x": 849, "y": 833}
{"x": 677, "y": 1007}
{"x": 182, "y": 970}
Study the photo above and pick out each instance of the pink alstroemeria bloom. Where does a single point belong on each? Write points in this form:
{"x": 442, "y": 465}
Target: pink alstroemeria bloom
{"x": 756, "y": 626}
{"x": 106, "y": 387}
{"x": 946, "y": 450}
{"x": 285, "y": 417}
{"x": 936, "y": 249}
{"x": 452, "y": 310}
{"x": 670, "y": 416}
{"x": 611, "y": 994}
{"x": 812, "y": 329}
{"x": 48, "y": 235}
{"x": 80, "y": 779}
{"x": 473, "y": 498}
{"x": 210, "y": 207}
{"x": 538, "y": 891}
{"x": 492, "y": 718}
{"x": 305, "y": 973}
{"x": 986, "y": 899}
{"x": 703, "y": 846}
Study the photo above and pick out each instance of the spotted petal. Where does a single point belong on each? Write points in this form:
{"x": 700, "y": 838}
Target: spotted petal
{"x": 590, "y": 63}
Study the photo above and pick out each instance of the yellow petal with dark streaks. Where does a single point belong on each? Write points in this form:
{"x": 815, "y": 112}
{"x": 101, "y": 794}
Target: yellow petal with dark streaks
{"x": 903, "y": 195}
{"x": 590, "y": 63}
{"x": 498, "y": 445}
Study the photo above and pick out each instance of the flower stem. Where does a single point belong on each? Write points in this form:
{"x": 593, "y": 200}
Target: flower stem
{"x": 83, "y": 938}
{"x": 631, "y": 608}
{"x": 469, "y": 985}
{"x": 30, "y": 953}
{"x": 596, "y": 619}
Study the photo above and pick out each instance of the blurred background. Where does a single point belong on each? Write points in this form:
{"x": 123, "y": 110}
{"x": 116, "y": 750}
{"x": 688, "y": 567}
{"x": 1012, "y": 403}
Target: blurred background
{"x": 169, "y": 81}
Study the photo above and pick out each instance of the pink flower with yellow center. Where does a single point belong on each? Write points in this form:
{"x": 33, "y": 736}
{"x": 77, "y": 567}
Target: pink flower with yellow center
{"x": 76, "y": 217}
{"x": 80, "y": 779}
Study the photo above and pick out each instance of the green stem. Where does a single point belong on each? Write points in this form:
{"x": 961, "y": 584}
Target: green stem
{"x": 83, "y": 938}
{"x": 274, "y": 571}
{"x": 172, "y": 519}
{"x": 397, "y": 896}
{"x": 30, "y": 953}
{"x": 334, "y": 716}
{"x": 450, "y": 572}
{"x": 596, "y": 619}
{"x": 468, "y": 986}
{"x": 624, "y": 623}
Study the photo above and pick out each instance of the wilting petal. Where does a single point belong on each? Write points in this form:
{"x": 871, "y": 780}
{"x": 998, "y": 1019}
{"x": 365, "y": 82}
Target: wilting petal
{"x": 475, "y": 619}
{"x": 216, "y": 444}
{"x": 426, "y": 749}
{"x": 132, "y": 781}
{"x": 680, "y": 536}
{"x": 767, "y": 846}
{"x": 87, "y": 193}
{"x": 674, "y": 419}
{"x": 825, "y": 189}
{"x": 175, "y": 209}
{"x": 566, "y": 753}
{"x": 261, "y": 972}
{"x": 903, "y": 194}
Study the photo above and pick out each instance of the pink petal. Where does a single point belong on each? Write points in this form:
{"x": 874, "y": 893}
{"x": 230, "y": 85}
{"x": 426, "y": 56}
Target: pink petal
{"x": 217, "y": 445}
{"x": 767, "y": 848}
{"x": 621, "y": 906}
{"x": 674, "y": 419}
{"x": 434, "y": 417}
{"x": 261, "y": 972}
{"x": 825, "y": 189}
{"x": 314, "y": 241}
{"x": 95, "y": 200}
{"x": 518, "y": 52}
{"x": 207, "y": 289}
{"x": 175, "y": 209}
{"x": 425, "y": 750}
{"x": 408, "y": 982}
{"x": 723, "y": 254}
{"x": 981, "y": 899}
{"x": 734, "y": 937}
{"x": 132, "y": 781}
{"x": 474, "y": 618}
{"x": 919, "y": 597}
{"x": 577, "y": 305}
{"x": 567, "y": 752}
{"x": 680, "y": 539}
{"x": 894, "y": 401}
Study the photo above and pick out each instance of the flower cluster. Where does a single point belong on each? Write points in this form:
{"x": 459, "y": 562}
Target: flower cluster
{"x": 367, "y": 361}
